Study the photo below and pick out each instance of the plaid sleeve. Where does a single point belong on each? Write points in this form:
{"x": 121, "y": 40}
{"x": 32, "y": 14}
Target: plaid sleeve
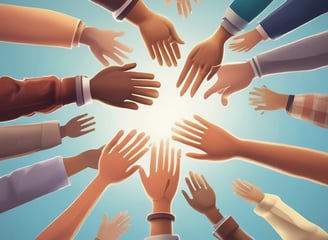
{"x": 312, "y": 108}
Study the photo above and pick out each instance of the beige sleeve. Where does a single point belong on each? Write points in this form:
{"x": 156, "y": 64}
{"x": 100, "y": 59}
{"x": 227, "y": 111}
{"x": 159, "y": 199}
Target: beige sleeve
{"x": 21, "y": 140}
{"x": 288, "y": 223}
{"x": 38, "y": 26}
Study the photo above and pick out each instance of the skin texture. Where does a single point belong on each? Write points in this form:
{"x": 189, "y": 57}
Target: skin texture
{"x": 116, "y": 163}
{"x": 184, "y": 6}
{"x": 231, "y": 79}
{"x": 102, "y": 44}
{"x": 247, "y": 191}
{"x": 162, "y": 44}
{"x": 203, "y": 60}
{"x": 265, "y": 99}
{"x": 217, "y": 144}
{"x": 114, "y": 228}
{"x": 246, "y": 41}
{"x": 77, "y": 126}
{"x": 164, "y": 171}
{"x": 117, "y": 86}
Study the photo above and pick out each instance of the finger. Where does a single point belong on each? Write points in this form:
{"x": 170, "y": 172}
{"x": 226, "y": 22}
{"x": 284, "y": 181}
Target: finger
{"x": 126, "y": 140}
{"x": 188, "y": 199}
{"x": 193, "y": 178}
{"x": 211, "y": 90}
{"x": 143, "y": 176}
{"x": 145, "y": 83}
{"x": 184, "y": 9}
{"x": 177, "y": 39}
{"x": 189, "y": 129}
{"x": 186, "y": 135}
{"x": 141, "y": 100}
{"x": 200, "y": 78}
{"x": 178, "y": 164}
{"x": 158, "y": 55}
{"x": 190, "y": 79}
{"x": 256, "y": 93}
{"x": 138, "y": 146}
{"x": 261, "y": 108}
{"x": 99, "y": 55}
{"x": 186, "y": 142}
{"x": 87, "y": 131}
{"x": 114, "y": 58}
{"x": 170, "y": 52}
{"x": 122, "y": 46}
{"x": 139, "y": 155}
{"x": 176, "y": 50}
{"x": 87, "y": 125}
{"x": 132, "y": 144}
{"x": 184, "y": 72}
{"x": 225, "y": 95}
{"x": 198, "y": 155}
{"x": 197, "y": 126}
{"x": 153, "y": 159}
{"x": 113, "y": 142}
{"x": 189, "y": 6}
{"x": 82, "y": 121}
{"x": 129, "y": 105}
{"x": 200, "y": 181}
{"x": 124, "y": 228}
{"x": 77, "y": 118}
{"x": 150, "y": 50}
{"x": 190, "y": 185}
{"x": 125, "y": 220}
{"x": 205, "y": 182}
{"x": 168, "y": 2}
{"x": 203, "y": 121}
{"x": 160, "y": 157}
{"x": 167, "y": 159}
{"x": 141, "y": 75}
{"x": 179, "y": 6}
{"x": 213, "y": 71}
{"x": 151, "y": 93}
{"x": 164, "y": 53}
{"x": 132, "y": 170}
{"x": 116, "y": 218}
{"x": 128, "y": 66}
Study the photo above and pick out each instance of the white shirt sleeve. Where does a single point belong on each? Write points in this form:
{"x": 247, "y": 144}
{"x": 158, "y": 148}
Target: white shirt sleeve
{"x": 163, "y": 237}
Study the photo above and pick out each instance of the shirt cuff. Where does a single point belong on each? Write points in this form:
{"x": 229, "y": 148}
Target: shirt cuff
{"x": 232, "y": 22}
{"x": 266, "y": 204}
{"x": 50, "y": 134}
{"x": 262, "y": 32}
{"x": 290, "y": 102}
{"x": 256, "y": 67}
{"x": 163, "y": 237}
{"x": 83, "y": 92}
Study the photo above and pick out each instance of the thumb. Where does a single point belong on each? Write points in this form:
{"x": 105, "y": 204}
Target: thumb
{"x": 175, "y": 35}
{"x": 143, "y": 175}
{"x": 198, "y": 155}
{"x": 128, "y": 66}
{"x": 224, "y": 97}
{"x": 211, "y": 91}
{"x": 188, "y": 199}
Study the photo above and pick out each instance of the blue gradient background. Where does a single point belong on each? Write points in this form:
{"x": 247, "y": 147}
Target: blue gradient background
{"x": 310, "y": 199}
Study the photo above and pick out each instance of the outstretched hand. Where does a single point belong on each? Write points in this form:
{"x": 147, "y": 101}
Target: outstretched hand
{"x": 246, "y": 41}
{"x": 117, "y": 86}
{"x": 77, "y": 126}
{"x": 213, "y": 140}
{"x": 114, "y": 228}
{"x": 184, "y": 6}
{"x": 231, "y": 78}
{"x": 102, "y": 44}
{"x": 247, "y": 191}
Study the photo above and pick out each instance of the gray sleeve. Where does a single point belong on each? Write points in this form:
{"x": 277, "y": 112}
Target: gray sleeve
{"x": 305, "y": 54}
{"x": 21, "y": 140}
{"x": 28, "y": 183}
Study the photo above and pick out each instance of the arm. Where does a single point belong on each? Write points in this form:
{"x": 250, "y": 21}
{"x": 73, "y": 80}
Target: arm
{"x": 167, "y": 162}
{"x": 115, "y": 164}
{"x": 25, "y": 139}
{"x": 217, "y": 144}
{"x": 203, "y": 200}
{"x": 205, "y": 58}
{"x": 28, "y": 183}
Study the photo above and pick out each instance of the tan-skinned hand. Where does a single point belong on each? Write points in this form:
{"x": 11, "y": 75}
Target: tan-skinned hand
{"x": 247, "y": 191}
{"x": 77, "y": 126}
{"x": 184, "y": 6}
{"x": 117, "y": 86}
{"x": 114, "y": 228}
{"x": 246, "y": 41}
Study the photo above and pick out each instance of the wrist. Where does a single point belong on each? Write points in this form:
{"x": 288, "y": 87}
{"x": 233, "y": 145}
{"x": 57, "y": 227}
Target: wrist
{"x": 79, "y": 33}
{"x": 62, "y": 131}
{"x": 139, "y": 13}
{"x": 102, "y": 181}
{"x": 162, "y": 206}
{"x": 221, "y": 35}
{"x": 213, "y": 214}
{"x": 282, "y": 100}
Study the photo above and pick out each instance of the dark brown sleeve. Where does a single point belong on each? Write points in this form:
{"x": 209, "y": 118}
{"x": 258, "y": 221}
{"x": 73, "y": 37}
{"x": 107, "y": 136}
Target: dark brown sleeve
{"x": 230, "y": 230}
{"x": 44, "y": 94}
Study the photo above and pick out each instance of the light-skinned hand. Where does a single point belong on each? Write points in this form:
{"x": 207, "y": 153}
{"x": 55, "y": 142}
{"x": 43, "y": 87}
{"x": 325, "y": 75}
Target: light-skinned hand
{"x": 184, "y": 6}
{"x": 114, "y": 228}
{"x": 203, "y": 135}
{"x": 231, "y": 79}
{"x": 102, "y": 44}
{"x": 117, "y": 86}
{"x": 246, "y": 41}
{"x": 77, "y": 126}
{"x": 247, "y": 191}
{"x": 203, "y": 197}
{"x": 118, "y": 157}
{"x": 162, "y": 183}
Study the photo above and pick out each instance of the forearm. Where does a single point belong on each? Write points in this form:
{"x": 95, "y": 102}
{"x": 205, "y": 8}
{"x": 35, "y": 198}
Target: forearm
{"x": 161, "y": 226}
{"x": 240, "y": 13}
{"x": 38, "y": 26}
{"x": 69, "y": 222}
{"x": 74, "y": 165}
{"x": 292, "y": 14}
{"x": 309, "y": 107}
{"x": 28, "y": 183}
{"x": 21, "y": 140}
{"x": 297, "y": 161}
{"x": 305, "y": 54}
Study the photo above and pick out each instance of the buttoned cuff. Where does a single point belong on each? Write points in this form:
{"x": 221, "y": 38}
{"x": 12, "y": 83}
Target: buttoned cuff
{"x": 83, "y": 92}
{"x": 266, "y": 204}
{"x": 262, "y": 32}
{"x": 163, "y": 237}
{"x": 256, "y": 67}
{"x": 232, "y": 22}
{"x": 225, "y": 227}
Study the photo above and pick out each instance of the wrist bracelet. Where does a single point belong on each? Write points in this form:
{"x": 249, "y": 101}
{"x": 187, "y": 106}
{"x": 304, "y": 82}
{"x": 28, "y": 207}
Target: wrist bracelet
{"x": 160, "y": 215}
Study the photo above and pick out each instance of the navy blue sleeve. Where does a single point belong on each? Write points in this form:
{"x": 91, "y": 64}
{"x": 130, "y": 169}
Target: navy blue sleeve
{"x": 124, "y": 6}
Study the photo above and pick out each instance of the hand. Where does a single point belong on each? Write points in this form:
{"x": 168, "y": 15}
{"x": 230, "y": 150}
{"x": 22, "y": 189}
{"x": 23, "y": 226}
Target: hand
{"x": 115, "y": 228}
{"x": 213, "y": 140}
{"x": 118, "y": 87}
{"x": 203, "y": 196}
{"x": 91, "y": 157}
{"x": 76, "y": 127}
{"x": 161, "y": 39}
{"x": 117, "y": 158}
{"x": 203, "y": 60}
{"x": 247, "y": 191}
{"x": 184, "y": 6}
{"x": 162, "y": 183}
{"x": 231, "y": 78}
{"x": 265, "y": 99}
{"x": 102, "y": 43}
{"x": 246, "y": 41}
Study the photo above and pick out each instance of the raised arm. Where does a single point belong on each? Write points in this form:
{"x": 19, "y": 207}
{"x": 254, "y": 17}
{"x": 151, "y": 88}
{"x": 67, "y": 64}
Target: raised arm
{"x": 116, "y": 164}
{"x": 217, "y": 144}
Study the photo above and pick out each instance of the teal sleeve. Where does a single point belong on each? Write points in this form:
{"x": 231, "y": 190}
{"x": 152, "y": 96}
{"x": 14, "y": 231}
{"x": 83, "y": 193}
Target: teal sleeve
{"x": 249, "y": 9}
